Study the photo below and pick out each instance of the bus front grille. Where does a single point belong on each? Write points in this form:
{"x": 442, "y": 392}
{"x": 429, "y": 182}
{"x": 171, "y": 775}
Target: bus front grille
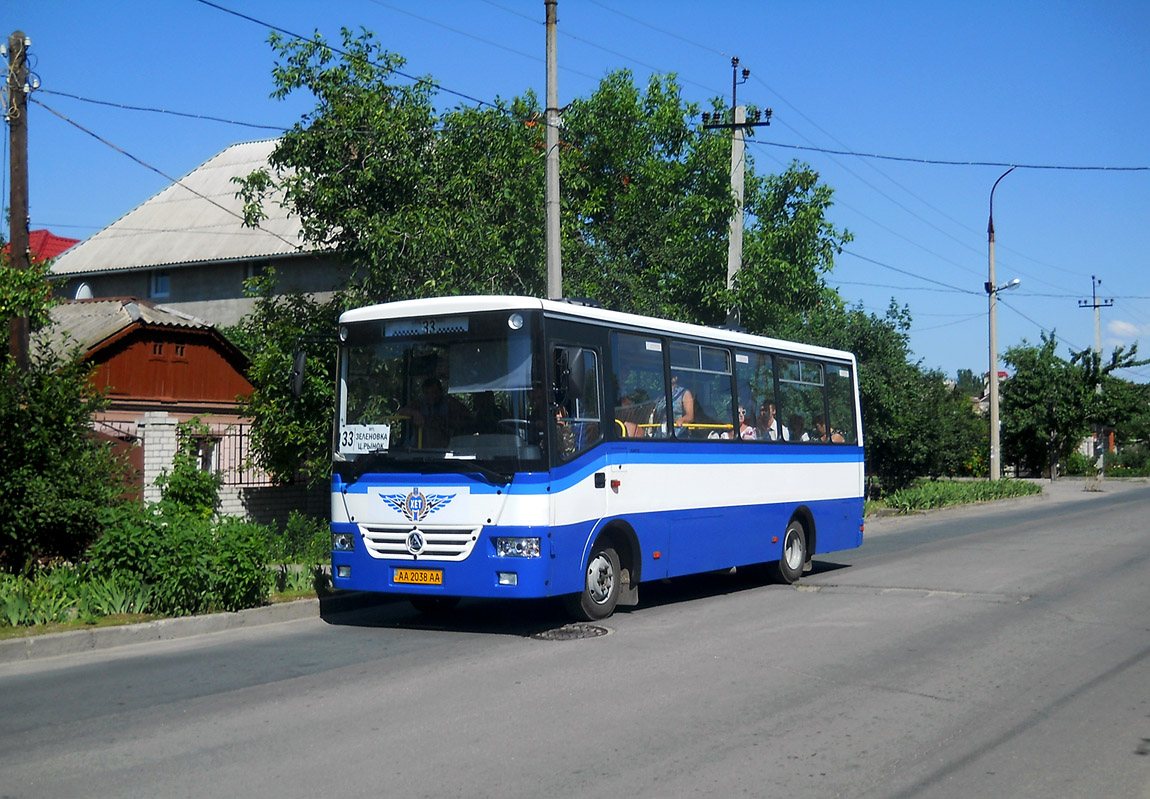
{"x": 391, "y": 542}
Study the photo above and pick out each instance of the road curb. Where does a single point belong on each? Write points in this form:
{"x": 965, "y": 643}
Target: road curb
{"x": 35, "y": 647}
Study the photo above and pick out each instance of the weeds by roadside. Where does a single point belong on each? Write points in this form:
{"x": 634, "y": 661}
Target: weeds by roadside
{"x": 928, "y": 494}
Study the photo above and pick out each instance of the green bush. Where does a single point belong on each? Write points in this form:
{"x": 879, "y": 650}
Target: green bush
{"x": 927, "y": 494}
{"x": 304, "y": 540}
{"x": 188, "y": 564}
{"x": 240, "y": 565}
{"x": 187, "y": 486}
{"x": 57, "y": 477}
{"x": 1078, "y": 464}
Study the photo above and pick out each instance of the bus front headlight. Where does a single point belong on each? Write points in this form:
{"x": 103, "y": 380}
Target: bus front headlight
{"x": 517, "y": 547}
{"x": 342, "y": 542}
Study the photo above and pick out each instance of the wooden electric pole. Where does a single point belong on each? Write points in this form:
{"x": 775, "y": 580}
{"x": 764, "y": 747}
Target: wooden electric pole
{"x": 16, "y": 113}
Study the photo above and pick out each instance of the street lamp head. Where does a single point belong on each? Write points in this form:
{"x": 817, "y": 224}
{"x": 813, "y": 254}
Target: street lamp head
{"x": 992, "y": 289}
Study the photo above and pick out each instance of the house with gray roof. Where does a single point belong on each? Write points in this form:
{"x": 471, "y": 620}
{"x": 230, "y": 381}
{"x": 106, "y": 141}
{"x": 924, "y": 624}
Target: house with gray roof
{"x": 187, "y": 247}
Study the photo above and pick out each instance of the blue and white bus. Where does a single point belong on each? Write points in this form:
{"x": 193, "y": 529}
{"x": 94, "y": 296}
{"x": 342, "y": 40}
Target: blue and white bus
{"x": 519, "y": 448}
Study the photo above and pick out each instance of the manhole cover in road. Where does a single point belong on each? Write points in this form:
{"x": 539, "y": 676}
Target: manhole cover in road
{"x": 570, "y": 632}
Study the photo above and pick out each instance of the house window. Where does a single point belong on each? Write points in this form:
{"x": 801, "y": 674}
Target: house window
{"x": 208, "y": 453}
{"x": 160, "y": 285}
{"x": 252, "y": 270}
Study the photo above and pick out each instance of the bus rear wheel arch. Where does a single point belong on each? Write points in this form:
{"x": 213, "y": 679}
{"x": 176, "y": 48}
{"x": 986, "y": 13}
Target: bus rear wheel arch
{"x": 795, "y": 554}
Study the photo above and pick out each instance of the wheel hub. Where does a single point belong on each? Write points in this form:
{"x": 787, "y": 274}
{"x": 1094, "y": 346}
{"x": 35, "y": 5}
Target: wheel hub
{"x": 600, "y": 579}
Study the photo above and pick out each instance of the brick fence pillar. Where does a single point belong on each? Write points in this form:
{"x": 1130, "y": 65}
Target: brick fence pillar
{"x": 157, "y": 431}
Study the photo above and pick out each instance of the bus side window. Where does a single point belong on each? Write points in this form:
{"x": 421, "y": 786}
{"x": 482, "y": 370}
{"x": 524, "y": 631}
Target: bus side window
{"x": 840, "y": 402}
{"x": 636, "y": 388}
{"x": 578, "y": 422}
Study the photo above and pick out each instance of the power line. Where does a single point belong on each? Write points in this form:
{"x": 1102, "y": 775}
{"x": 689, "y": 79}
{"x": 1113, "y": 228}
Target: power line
{"x": 1042, "y": 327}
{"x": 896, "y": 288}
{"x": 942, "y": 162}
{"x": 279, "y": 128}
{"x": 158, "y": 171}
{"x": 335, "y": 49}
{"x": 910, "y": 274}
{"x": 969, "y": 318}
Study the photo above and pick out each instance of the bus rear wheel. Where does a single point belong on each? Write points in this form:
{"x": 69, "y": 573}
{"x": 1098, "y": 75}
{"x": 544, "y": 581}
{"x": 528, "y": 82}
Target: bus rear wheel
{"x": 789, "y": 567}
{"x": 600, "y": 592}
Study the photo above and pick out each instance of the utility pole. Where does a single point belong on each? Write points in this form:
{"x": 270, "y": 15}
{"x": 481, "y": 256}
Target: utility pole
{"x": 1097, "y": 304}
{"x": 737, "y": 126}
{"x": 992, "y": 290}
{"x": 16, "y": 114}
{"x": 554, "y": 253}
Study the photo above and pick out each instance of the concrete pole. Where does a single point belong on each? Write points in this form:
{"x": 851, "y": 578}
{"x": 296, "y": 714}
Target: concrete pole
{"x": 554, "y": 253}
{"x": 738, "y": 170}
{"x": 992, "y": 297}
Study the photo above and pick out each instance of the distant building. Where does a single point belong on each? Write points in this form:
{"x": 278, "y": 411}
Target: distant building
{"x": 44, "y": 244}
{"x": 188, "y": 249}
{"x": 162, "y": 367}
{"x": 150, "y": 357}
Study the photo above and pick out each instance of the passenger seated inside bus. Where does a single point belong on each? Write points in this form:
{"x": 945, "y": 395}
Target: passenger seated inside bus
{"x": 769, "y": 428}
{"x": 632, "y": 405}
{"x": 682, "y": 404}
{"x": 747, "y": 431}
{"x": 822, "y": 433}
{"x": 796, "y": 424}
{"x": 437, "y": 417}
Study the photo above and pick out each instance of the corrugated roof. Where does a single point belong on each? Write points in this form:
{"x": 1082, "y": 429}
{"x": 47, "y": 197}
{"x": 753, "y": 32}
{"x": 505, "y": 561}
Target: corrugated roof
{"x": 44, "y": 244}
{"x": 178, "y": 226}
{"x": 90, "y": 322}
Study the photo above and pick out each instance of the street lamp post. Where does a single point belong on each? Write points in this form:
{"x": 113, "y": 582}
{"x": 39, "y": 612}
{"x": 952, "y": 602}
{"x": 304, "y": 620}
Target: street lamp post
{"x": 992, "y": 289}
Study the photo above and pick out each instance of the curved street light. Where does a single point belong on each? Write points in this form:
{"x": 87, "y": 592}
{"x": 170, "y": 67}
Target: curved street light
{"x": 992, "y": 290}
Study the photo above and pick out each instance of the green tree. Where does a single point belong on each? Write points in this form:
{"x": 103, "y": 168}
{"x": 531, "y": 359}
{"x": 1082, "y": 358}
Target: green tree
{"x": 1043, "y": 407}
{"x": 1050, "y": 403}
{"x": 416, "y": 203}
{"x": 422, "y": 203}
{"x": 291, "y": 438}
{"x": 968, "y": 383}
{"x": 913, "y": 425}
{"x": 57, "y": 477}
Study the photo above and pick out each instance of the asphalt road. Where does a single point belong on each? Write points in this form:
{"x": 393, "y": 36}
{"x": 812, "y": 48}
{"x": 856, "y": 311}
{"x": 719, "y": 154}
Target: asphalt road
{"x": 997, "y": 651}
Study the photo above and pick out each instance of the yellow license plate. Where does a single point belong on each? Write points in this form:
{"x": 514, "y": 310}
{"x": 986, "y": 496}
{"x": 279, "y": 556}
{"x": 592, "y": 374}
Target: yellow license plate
{"x": 419, "y": 576}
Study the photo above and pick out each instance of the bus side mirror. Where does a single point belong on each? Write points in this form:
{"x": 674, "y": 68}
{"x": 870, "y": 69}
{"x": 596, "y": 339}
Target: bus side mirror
{"x": 298, "y": 372}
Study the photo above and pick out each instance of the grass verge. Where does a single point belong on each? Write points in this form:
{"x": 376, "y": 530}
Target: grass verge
{"x": 929, "y": 494}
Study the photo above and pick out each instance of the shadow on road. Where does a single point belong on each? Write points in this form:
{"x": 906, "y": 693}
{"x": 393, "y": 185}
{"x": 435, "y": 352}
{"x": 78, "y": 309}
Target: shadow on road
{"x": 528, "y": 618}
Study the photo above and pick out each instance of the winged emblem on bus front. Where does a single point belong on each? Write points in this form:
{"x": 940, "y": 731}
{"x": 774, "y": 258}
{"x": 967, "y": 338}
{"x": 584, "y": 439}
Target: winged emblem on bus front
{"x": 417, "y": 506}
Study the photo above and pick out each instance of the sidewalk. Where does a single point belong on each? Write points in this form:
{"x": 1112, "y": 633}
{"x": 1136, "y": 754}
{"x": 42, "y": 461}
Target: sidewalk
{"x": 34, "y": 647}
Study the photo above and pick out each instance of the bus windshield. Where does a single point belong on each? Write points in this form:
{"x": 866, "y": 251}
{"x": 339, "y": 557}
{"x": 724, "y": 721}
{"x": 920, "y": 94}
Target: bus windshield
{"x": 445, "y": 394}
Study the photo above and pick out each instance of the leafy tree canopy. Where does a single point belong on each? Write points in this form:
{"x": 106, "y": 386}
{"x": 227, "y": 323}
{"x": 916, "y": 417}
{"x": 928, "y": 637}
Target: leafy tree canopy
{"x": 1051, "y": 403}
{"x": 424, "y": 203}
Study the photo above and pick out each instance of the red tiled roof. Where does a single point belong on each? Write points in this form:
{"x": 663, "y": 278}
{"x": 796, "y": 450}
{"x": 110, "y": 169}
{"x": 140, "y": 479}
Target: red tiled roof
{"x": 45, "y": 244}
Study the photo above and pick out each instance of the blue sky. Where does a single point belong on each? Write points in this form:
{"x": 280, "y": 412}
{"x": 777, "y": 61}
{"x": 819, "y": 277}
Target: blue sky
{"x": 1055, "y": 84}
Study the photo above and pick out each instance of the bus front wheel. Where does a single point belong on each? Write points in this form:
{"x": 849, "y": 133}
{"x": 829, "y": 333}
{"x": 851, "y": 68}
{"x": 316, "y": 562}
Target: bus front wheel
{"x": 789, "y": 567}
{"x": 600, "y": 592}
